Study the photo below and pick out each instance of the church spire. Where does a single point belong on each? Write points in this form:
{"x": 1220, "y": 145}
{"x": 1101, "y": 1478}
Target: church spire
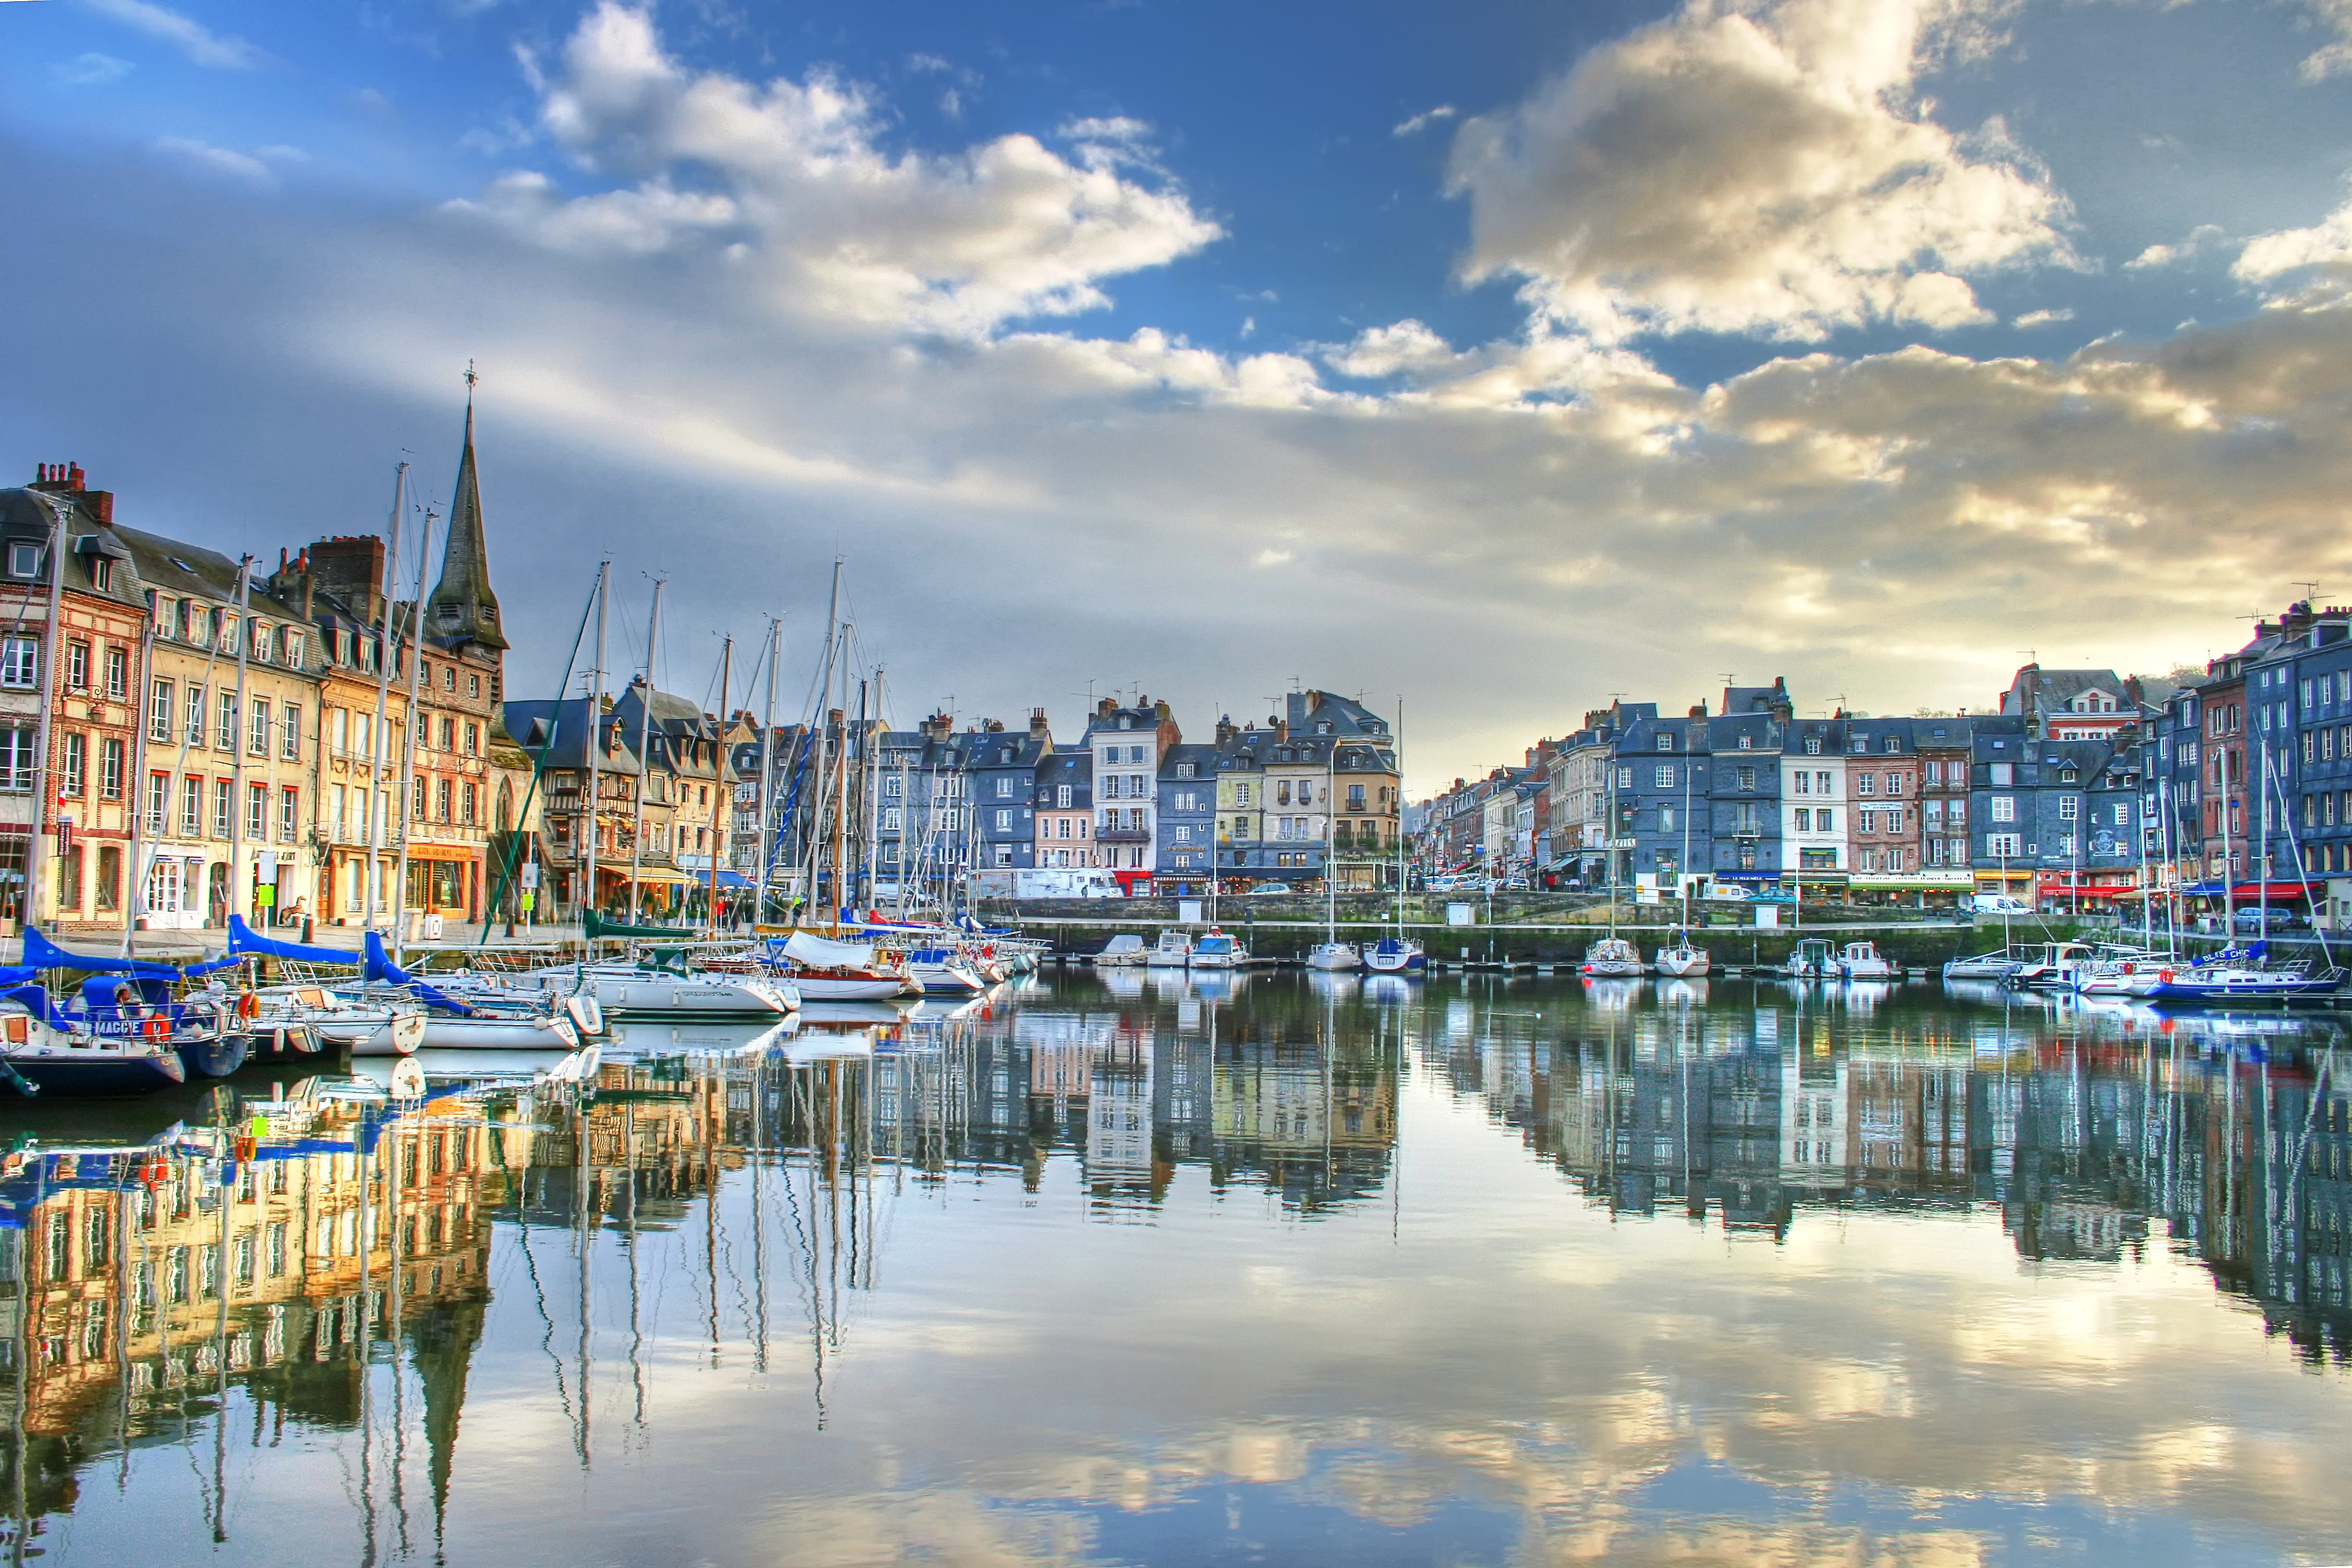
{"x": 463, "y": 609}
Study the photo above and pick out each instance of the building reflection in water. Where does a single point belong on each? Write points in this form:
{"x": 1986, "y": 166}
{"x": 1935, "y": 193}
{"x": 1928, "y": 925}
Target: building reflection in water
{"x": 2233, "y": 1134}
{"x": 324, "y": 1263}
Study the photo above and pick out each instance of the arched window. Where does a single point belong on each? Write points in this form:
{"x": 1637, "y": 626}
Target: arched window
{"x": 506, "y": 806}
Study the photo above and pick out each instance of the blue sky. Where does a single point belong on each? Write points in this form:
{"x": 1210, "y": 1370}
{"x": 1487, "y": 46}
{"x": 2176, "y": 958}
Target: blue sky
{"x": 1494, "y": 355}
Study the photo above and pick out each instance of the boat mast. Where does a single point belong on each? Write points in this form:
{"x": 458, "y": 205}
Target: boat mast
{"x": 35, "y": 855}
{"x": 236, "y": 734}
{"x": 595, "y": 738}
{"x": 378, "y": 808}
{"x": 726, "y": 676}
{"x": 825, "y": 747}
{"x": 767, "y": 771}
{"x": 870, "y": 829}
{"x": 1399, "y": 825}
{"x": 1682, "y": 866}
{"x": 137, "y": 796}
{"x": 644, "y": 736}
{"x": 408, "y": 755}
{"x": 841, "y": 791}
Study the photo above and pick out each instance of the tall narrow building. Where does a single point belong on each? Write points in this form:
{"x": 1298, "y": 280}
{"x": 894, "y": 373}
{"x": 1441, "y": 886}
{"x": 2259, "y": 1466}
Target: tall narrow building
{"x": 465, "y": 790}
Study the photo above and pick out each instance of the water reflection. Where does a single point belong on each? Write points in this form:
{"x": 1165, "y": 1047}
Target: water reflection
{"x": 1136, "y": 1271}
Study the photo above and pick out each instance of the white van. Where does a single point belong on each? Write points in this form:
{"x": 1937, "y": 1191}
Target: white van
{"x": 1997, "y": 904}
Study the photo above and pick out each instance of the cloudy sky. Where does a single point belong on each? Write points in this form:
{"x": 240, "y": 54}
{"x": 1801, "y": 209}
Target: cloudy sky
{"x": 1495, "y": 355}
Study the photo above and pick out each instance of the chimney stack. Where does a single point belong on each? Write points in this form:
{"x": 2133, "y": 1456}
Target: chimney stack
{"x": 1038, "y": 728}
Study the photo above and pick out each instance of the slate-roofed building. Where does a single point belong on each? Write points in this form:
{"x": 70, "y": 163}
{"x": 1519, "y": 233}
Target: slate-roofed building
{"x": 1003, "y": 792}
{"x": 1065, "y": 808}
{"x": 1188, "y": 817}
{"x": 556, "y": 735}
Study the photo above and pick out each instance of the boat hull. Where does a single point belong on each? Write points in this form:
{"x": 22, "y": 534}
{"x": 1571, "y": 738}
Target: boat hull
{"x": 1683, "y": 966}
{"x": 1334, "y": 956}
{"x": 822, "y": 988}
{"x": 215, "y": 1057}
{"x": 68, "y": 1073}
{"x": 540, "y": 1034}
{"x": 396, "y": 1037}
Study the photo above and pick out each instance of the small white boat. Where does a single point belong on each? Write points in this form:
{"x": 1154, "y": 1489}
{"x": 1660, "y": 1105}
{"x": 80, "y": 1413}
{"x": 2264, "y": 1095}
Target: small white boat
{"x": 1334, "y": 955}
{"x": 627, "y": 988}
{"x": 1172, "y": 950}
{"x": 1993, "y": 966}
{"x": 1863, "y": 961}
{"x": 380, "y": 1025}
{"x": 1218, "y": 951}
{"x": 1612, "y": 958}
{"x": 1680, "y": 960}
{"x": 1813, "y": 958}
{"x": 942, "y": 972}
{"x": 1395, "y": 956}
{"x": 1124, "y": 949}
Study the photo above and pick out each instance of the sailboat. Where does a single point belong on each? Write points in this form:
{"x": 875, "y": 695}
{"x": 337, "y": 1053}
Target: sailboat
{"x": 1330, "y": 954}
{"x": 1398, "y": 954}
{"x": 1678, "y": 958}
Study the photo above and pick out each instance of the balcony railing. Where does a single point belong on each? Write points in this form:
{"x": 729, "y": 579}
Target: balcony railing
{"x": 1122, "y": 835}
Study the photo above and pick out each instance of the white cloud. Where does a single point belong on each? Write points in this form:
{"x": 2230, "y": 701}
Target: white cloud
{"x": 1767, "y": 168}
{"x": 92, "y": 69}
{"x": 1423, "y": 121}
{"x": 217, "y": 160}
{"x": 2200, "y": 239}
{"x": 792, "y": 180}
{"x": 2043, "y": 317}
{"x": 199, "y": 43}
{"x": 2325, "y": 243}
{"x": 2331, "y": 59}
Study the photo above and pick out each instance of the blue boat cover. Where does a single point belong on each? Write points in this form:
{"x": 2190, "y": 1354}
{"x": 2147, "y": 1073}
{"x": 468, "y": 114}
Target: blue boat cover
{"x": 243, "y": 940}
{"x": 34, "y": 999}
{"x": 380, "y": 967}
{"x": 40, "y": 953}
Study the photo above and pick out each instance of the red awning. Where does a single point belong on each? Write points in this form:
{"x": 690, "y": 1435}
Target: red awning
{"x": 2085, "y": 891}
{"x": 2253, "y": 892}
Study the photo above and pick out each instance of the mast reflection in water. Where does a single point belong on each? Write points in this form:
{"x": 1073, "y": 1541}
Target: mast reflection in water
{"x": 1250, "y": 1268}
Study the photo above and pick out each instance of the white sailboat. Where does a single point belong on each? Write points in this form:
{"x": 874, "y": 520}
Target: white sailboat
{"x": 1398, "y": 954}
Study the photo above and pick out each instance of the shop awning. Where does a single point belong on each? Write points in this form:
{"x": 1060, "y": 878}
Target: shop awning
{"x": 733, "y": 882}
{"x": 2250, "y": 891}
{"x": 649, "y": 876}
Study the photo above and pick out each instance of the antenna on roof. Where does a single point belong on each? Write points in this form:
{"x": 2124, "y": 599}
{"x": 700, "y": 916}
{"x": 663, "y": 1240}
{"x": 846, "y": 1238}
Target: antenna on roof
{"x": 2310, "y": 592}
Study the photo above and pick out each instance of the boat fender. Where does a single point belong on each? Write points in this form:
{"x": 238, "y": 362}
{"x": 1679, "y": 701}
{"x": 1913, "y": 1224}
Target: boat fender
{"x": 248, "y": 1005}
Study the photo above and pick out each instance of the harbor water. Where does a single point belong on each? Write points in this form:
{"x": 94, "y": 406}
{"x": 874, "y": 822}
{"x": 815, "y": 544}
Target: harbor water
{"x": 1143, "y": 1269}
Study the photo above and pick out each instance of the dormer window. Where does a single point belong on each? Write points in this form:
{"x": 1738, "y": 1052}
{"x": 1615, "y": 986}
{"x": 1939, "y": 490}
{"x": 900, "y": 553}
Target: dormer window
{"x": 1323, "y": 727}
{"x": 1812, "y": 745}
{"x": 102, "y": 573}
{"x": 1125, "y": 722}
{"x": 1665, "y": 743}
{"x": 24, "y": 561}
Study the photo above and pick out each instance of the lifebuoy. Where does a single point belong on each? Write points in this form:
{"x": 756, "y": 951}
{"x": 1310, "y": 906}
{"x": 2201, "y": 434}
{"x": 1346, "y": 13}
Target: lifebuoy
{"x": 156, "y": 1028}
{"x": 2165, "y": 975}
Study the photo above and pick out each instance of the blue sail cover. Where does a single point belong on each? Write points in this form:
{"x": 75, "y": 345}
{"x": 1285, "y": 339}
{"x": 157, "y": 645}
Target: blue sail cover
{"x": 40, "y": 953}
{"x": 34, "y": 999}
{"x": 244, "y": 940}
{"x": 380, "y": 967}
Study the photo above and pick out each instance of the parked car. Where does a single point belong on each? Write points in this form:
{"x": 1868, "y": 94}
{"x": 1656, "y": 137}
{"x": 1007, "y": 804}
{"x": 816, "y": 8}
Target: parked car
{"x": 2250, "y": 920}
{"x": 1270, "y": 890}
{"x": 1514, "y": 883}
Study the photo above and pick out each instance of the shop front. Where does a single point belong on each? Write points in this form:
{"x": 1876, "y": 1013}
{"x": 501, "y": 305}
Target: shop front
{"x": 1919, "y": 890}
{"x": 442, "y": 880}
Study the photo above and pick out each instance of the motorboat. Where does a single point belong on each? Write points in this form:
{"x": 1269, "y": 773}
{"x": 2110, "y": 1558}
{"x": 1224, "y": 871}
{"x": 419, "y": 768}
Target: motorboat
{"x": 1814, "y": 958}
{"x": 1680, "y": 958}
{"x": 1218, "y": 951}
{"x": 1992, "y": 967}
{"x": 1612, "y": 958}
{"x": 1395, "y": 956}
{"x": 2050, "y": 965}
{"x": 1124, "y": 949}
{"x": 1172, "y": 950}
{"x": 1863, "y": 961}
